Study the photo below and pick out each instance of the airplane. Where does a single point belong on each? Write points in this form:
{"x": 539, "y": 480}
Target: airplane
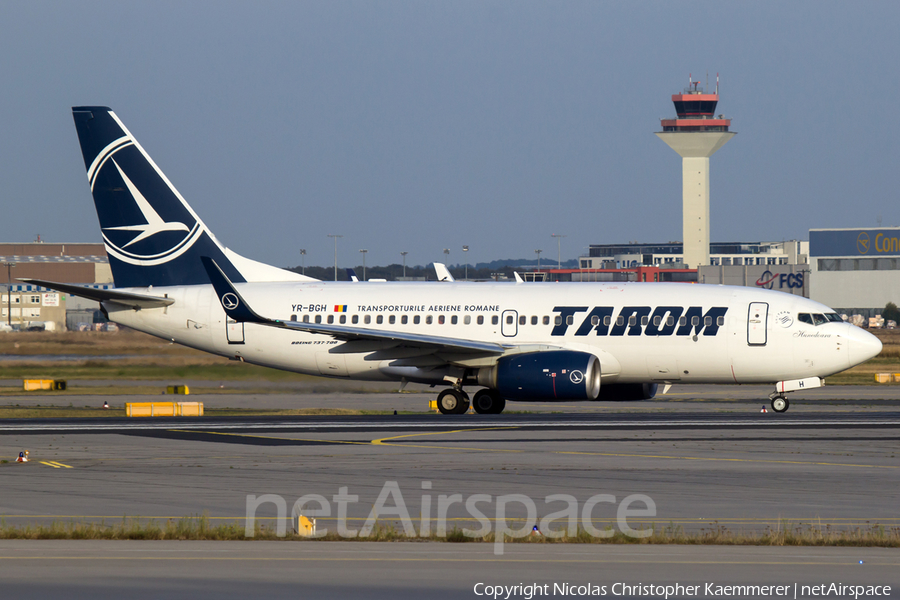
{"x": 513, "y": 341}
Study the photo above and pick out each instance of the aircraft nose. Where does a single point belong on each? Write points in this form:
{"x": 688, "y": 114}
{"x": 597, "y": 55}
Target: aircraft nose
{"x": 863, "y": 345}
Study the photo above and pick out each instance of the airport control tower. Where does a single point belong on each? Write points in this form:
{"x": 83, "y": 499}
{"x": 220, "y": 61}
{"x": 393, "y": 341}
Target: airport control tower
{"x": 695, "y": 134}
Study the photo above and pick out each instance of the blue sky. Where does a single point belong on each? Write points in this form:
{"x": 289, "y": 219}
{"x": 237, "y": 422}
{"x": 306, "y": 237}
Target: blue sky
{"x": 420, "y": 126}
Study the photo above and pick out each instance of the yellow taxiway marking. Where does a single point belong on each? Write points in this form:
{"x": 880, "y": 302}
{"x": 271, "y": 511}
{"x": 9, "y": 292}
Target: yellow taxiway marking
{"x": 55, "y": 465}
{"x": 381, "y": 442}
{"x": 713, "y": 458}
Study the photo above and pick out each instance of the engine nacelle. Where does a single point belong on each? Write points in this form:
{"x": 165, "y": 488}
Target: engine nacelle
{"x": 627, "y": 391}
{"x": 551, "y": 375}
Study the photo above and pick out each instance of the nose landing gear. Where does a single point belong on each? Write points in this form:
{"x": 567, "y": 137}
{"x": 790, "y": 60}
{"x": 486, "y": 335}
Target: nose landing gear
{"x": 779, "y": 402}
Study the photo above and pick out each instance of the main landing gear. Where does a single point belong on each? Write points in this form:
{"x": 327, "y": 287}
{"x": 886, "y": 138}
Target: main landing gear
{"x": 779, "y": 402}
{"x": 453, "y": 401}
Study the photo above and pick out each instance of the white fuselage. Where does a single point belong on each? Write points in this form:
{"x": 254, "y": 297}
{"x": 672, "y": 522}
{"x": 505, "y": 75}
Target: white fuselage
{"x": 741, "y": 335}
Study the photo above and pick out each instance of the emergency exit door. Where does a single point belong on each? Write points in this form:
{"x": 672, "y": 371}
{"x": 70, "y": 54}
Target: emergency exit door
{"x": 757, "y": 319}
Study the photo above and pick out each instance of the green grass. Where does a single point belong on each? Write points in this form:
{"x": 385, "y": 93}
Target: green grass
{"x": 68, "y": 412}
{"x": 101, "y": 369}
{"x": 200, "y": 528}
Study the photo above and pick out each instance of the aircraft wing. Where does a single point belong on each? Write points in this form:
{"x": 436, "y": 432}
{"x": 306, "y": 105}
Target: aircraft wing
{"x": 129, "y": 299}
{"x": 237, "y": 308}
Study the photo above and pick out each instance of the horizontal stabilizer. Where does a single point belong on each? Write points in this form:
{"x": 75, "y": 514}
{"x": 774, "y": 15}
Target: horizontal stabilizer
{"x": 129, "y": 299}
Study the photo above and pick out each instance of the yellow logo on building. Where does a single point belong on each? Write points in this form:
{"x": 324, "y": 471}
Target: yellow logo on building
{"x": 862, "y": 242}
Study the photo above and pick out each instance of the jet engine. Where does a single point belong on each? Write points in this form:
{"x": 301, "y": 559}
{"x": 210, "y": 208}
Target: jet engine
{"x": 552, "y": 375}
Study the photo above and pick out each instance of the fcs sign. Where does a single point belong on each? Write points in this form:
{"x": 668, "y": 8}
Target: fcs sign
{"x": 769, "y": 280}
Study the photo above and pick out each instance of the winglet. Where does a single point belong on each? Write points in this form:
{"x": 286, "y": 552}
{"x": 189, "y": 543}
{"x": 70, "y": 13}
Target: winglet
{"x": 234, "y": 305}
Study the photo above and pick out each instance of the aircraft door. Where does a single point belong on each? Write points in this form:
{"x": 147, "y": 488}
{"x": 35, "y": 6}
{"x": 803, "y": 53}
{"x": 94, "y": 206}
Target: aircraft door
{"x": 757, "y": 321}
{"x": 509, "y": 323}
{"x": 234, "y": 331}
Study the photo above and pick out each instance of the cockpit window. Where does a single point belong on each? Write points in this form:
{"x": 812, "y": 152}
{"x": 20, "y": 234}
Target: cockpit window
{"x": 819, "y": 319}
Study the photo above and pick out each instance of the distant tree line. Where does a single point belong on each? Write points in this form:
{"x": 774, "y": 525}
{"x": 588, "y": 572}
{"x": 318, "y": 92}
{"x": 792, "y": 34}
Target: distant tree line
{"x": 395, "y": 272}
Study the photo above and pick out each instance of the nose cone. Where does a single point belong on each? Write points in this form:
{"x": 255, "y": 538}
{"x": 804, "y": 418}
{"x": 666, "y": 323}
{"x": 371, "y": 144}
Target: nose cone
{"x": 863, "y": 345}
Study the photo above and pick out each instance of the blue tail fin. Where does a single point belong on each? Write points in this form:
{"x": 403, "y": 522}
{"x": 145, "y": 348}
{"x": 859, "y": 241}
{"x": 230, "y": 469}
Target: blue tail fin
{"x": 152, "y": 235}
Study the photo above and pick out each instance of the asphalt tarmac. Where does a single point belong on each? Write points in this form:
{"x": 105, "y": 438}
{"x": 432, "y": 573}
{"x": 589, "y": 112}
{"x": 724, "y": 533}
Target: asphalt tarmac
{"x": 699, "y": 461}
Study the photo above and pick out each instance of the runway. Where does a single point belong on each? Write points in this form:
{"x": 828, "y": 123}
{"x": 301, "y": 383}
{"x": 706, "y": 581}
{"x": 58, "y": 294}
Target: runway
{"x": 704, "y": 464}
{"x": 371, "y": 570}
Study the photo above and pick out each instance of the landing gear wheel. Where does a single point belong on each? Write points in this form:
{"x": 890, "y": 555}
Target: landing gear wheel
{"x": 780, "y": 404}
{"x": 453, "y": 402}
{"x": 488, "y": 402}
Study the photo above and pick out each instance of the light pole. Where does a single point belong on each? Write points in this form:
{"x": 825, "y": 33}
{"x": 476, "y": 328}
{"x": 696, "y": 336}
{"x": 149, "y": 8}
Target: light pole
{"x": 538, "y": 252}
{"x": 364, "y": 263}
{"x": 466, "y": 254}
{"x": 335, "y": 236}
{"x": 303, "y": 260}
{"x": 559, "y": 238}
{"x": 9, "y": 267}
{"x": 404, "y": 263}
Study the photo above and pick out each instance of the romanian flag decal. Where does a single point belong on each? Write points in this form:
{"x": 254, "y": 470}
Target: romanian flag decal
{"x": 340, "y": 308}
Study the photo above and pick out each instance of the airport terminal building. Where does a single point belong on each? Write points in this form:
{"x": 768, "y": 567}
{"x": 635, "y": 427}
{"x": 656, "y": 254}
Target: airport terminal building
{"x": 855, "y": 270}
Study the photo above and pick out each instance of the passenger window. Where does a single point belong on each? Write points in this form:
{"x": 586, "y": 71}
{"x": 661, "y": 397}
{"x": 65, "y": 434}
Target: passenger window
{"x": 620, "y": 320}
{"x": 343, "y": 319}
{"x": 318, "y": 318}
{"x": 293, "y": 317}
{"x": 707, "y": 321}
{"x": 480, "y": 319}
{"x": 607, "y": 320}
{"x": 720, "y": 321}
{"x": 805, "y": 318}
{"x": 440, "y": 319}
{"x": 392, "y": 319}
{"x": 632, "y": 321}
{"x": 306, "y": 318}
{"x": 509, "y": 319}
{"x": 467, "y": 320}
{"x": 657, "y": 320}
{"x": 570, "y": 320}
{"x": 330, "y": 319}
{"x": 454, "y": 320}
{"x": 367, "y": 319}
{"x": 695, "y": 321}
{"x": 595, "y": 320}
{"x": 546, "y": 320}
{"x": 644, "y": 320}
{"x": 379, "y": 319}
{"x": 416, "y": 320}
{"x": 534, "y": 320}
{"x": 557, "y": 320}
{"x": 428, "y": 320}
{"x": 354, "y": 319}
{"x": 682, "y": 321}
{"x": 670, "y": 320}
{"x": 495, "y": 319}
{"x": 404, "y": 320}
{"x": 523, "y": 320}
